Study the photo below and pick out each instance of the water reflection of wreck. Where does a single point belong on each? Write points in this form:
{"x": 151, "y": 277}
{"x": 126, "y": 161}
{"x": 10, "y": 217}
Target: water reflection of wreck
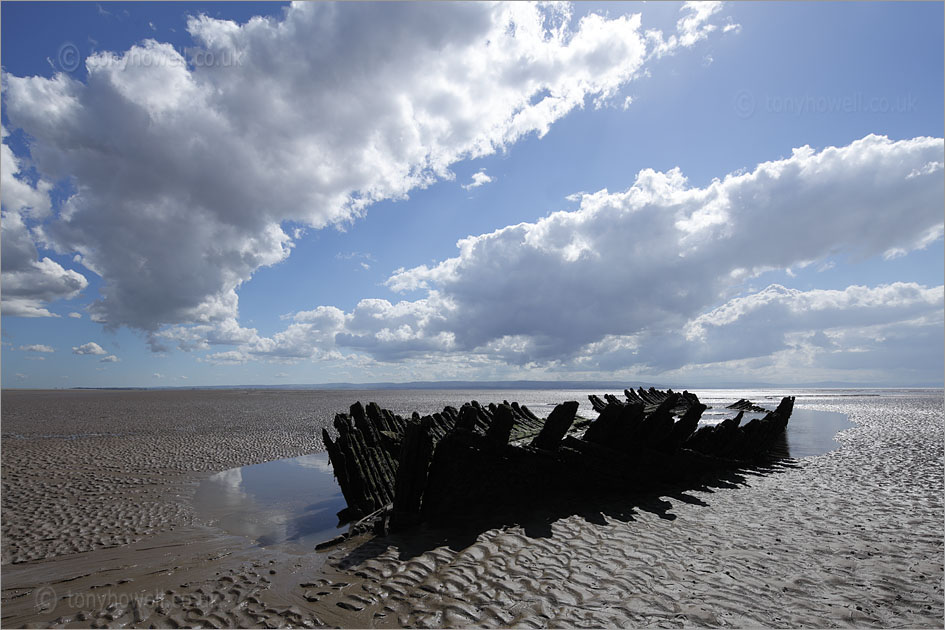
{"x": 396, "y": 471}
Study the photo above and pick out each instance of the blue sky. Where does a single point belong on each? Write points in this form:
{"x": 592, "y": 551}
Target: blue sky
{"x": 225, "y": 199}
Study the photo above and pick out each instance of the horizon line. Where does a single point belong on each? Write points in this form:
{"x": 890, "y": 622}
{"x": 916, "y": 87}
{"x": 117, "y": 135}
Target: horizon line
{"x": 500, "y": 384}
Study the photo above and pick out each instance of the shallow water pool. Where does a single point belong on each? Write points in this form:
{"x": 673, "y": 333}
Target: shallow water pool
{"x": 288, "y": 502}
{"x": 809, "y": 432}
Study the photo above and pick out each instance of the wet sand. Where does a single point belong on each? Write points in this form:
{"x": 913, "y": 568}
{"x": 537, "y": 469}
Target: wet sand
{"x": 99, "y": 530}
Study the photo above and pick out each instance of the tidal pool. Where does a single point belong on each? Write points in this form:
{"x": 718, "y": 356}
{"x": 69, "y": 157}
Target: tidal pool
{"x": 809, "y": 432}
{"x": 291, "y": 503}
{"x": 812, "y": 432}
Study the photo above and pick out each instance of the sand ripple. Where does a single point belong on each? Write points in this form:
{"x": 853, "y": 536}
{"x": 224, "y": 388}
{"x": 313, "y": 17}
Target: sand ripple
{"x": 851, "y": 538}
{"x": 848, "y": 539}
{"x": 94, "y": 478}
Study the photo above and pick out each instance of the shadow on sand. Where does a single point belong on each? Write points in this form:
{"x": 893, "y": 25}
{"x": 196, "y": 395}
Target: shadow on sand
{"x": 536, "y": 520}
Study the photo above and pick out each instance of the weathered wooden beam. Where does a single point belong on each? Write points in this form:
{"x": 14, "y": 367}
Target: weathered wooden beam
{"x": 556, "y": 426}
{"x": 656, "y": 426}
{"x": 412, "y": 473}
{"x": 500, "y": 430}
{"x": 616, "y": 426}
{"x": 683, "y": 428}
{"x": 744, "y": 404}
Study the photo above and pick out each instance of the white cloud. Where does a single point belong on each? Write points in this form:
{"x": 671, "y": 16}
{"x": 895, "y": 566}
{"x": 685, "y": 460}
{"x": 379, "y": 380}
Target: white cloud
{"x": 777, "y": 319}
{"x": 392, "y": 332}
{"x": 318, "y": 462}
{"x": 28, "y": 282}
{"x": 926, "y": 169}
{"x": 75, "y": 315}
{"x": 695, "y": 26}
{"x": 613, "y": 283}
{"x": 312, "y": 335}
{"x": 227, "y": 357}
{"x": 846, "y": 306}
{"x": 18, "y": 194}
{"x": 202, "y": 337}
{"x": 157, "y": 375}
{"x": 109, "y": 359}
{"x": 363, "y": 259}
{"x": 306, "y": 119}
{"x": 658, "y": 254}
{"x": 88, "y": 348}
{"x": 37, "y": 347}
{"x": 478, "y": 179}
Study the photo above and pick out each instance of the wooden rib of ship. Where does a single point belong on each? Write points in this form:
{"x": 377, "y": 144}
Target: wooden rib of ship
{"x": 396, "y": 472}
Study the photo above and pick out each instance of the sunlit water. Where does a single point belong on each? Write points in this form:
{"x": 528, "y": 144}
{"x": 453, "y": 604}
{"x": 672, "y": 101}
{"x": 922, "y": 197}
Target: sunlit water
{"x": 289, "y": 502}
{"x": 293, "y": 503}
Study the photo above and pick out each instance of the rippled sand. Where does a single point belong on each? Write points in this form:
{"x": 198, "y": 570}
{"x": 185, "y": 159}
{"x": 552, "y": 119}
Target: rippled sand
{"x": 99, "y": 530}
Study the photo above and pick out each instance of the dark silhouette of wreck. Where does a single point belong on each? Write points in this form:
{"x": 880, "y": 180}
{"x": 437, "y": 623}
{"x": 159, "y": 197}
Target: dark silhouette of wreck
{"x": 396, "y": 472}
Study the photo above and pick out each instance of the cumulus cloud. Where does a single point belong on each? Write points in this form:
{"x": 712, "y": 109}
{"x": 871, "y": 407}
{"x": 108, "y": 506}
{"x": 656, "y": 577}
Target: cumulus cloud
{"x": 649, "y": 276}
{"x": 660, "y": 253}
{"x": 37, "y": 347}
{"x": 75, "y": 315}
{"x": 889, "y": 333}
{"x": 88, "y": 348}
{"x": 109, "y": 359}
{"x": 777, "y": 319}
{"x": 18, "y": 193}
{"x": 822, "y": 308}
{"x": 479, "y": 178}
{"x": 185, "y": 174}
{"x": 227, "y": 357}
{"x": 28, "y": 282}
{"x": 201, "y": 337}
{"x": 396, "y": 331}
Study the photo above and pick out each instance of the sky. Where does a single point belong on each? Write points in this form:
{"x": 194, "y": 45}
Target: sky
{"x": 701, "y": 194}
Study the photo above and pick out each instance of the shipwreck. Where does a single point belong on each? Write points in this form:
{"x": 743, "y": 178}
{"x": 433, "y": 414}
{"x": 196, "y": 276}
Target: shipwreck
{"x": 395, "y": 472}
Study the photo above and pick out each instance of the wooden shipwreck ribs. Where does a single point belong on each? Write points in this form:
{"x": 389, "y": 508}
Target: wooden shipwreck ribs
{"x": 397, "y": 471}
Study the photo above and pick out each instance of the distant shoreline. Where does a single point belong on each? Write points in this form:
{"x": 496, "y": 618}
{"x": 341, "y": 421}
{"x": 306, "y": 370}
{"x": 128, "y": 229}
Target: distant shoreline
{"x": 496, "y": 385}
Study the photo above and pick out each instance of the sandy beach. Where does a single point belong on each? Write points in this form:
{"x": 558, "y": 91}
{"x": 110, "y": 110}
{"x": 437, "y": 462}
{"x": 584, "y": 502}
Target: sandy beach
{"x": 99, "y": 530}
